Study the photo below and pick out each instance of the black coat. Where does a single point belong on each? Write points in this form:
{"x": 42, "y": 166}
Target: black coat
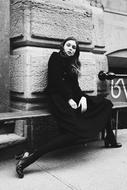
{"x": 62, "y": 86}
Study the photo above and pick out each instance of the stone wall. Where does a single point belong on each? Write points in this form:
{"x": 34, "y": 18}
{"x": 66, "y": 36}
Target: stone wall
{"x": 4, "y": 54}
{"x": 115, "y": 28}
{"x": 115, "y": 31}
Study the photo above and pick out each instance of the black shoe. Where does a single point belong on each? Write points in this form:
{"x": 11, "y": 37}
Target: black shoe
{"x": 19, "y": 165}
{"x": 109, "y": 144}
{"x": 110, "y": 140}
{"x": 19, "y": 170}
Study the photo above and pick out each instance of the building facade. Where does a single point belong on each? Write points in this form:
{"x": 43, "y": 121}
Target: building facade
{"x": 33, "y": 29}
{"x": 37, "y": 29}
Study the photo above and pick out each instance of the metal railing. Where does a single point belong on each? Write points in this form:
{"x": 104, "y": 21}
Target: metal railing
{"x": 110, "y": 75}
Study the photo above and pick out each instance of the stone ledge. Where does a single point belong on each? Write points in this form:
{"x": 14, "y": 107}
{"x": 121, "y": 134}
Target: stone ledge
{"x": 10, "y": 139}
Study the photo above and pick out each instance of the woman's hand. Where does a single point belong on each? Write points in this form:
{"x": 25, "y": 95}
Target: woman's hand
{"x": 83, "y": 104}
{"x": 72, "y": 103}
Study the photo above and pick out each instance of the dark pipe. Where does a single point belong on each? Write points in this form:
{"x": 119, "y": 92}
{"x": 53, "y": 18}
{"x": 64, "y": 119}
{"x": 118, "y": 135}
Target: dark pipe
{"x": 110, "y": 76}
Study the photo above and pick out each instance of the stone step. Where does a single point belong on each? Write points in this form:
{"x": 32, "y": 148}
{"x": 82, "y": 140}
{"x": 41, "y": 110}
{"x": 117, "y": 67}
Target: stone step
{"x": 10, "y": 139}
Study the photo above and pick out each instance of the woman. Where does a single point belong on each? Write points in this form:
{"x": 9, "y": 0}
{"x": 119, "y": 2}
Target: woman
{"x": 78, "y": 115}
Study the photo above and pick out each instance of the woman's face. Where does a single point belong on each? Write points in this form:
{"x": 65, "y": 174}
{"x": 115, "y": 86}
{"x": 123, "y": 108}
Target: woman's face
{"x": 70, "y": 47}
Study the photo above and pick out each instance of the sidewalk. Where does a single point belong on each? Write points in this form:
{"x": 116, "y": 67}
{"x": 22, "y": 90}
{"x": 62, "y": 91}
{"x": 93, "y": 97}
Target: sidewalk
{"x": 75, "y": 168}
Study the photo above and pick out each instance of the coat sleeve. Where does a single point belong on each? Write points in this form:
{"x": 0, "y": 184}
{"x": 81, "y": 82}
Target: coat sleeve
{"x": 78, "y": 90}
{"x": 56, "y": 81}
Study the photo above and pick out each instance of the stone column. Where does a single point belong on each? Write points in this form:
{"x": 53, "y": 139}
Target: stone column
{"x": 4, "y": 54}
{"x": 37, "y": 28}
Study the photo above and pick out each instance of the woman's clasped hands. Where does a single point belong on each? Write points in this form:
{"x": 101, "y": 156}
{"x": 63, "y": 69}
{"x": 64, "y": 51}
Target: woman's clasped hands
{"x": 82, "y": 103}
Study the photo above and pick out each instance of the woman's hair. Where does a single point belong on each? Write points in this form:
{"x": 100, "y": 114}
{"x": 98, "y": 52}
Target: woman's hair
{"x": 75, "y": 63}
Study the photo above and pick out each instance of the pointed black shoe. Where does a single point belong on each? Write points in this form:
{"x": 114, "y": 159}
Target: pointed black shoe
{"x": 111, "y": 143}
{"x": 19, "y": 170}
{"x": 110, "y": 140}
{"x": 19, "y": 166}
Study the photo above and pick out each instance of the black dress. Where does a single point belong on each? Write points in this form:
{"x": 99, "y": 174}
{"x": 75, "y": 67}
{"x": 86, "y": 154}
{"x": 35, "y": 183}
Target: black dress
{"x": 62, "y": 86}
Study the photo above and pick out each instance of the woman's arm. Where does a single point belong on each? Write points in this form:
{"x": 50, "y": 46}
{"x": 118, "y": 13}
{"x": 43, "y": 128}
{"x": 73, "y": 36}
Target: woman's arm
{"x": 81, "y": 96}
{"x": 55, "y": 77}
{"x": 77, "y": 89}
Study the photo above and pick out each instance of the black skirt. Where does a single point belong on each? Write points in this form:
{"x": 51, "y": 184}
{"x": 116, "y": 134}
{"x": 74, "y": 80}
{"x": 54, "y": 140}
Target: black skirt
{"x": 86, "y": 124}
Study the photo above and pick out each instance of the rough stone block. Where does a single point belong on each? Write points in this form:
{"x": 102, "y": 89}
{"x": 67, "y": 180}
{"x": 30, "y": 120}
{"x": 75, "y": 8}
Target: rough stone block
{"x": 4, "y": 54}
{"x": 58, "y": 20}
{"x": 92, "y": 64}
{"x": 16, "y": 70}
{"x": 98, "y": 27}
{"x": 115, "y": 32}
{"x": 87, "y": 79}
{"x": 28, "y": 70}
{"x": 16, "y": 19}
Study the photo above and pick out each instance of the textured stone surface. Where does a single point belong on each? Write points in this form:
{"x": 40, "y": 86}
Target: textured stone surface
{"x": 92, "y": 64}
{"x": 38, "y": 72}
{"x": 115, "y": 31}
{"x": 4, "y": 54}
{"x": 17, "y": 19}
{"x": 98, "y": 24}
{"x": 87, "y": 80}
{"x": 29, "y": 70}
{"x": 16, "y": 70}
{"x": 57, "y": 20}
{"x": 60, "y": 21}
{"x": 52, "y": 19}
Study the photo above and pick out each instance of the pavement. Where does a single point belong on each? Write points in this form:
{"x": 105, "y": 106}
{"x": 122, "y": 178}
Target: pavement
{"x": 88, "y": 167}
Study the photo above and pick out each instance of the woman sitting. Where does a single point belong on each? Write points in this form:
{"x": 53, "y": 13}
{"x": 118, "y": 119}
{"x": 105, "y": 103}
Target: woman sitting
{"x": 78, "y": 115}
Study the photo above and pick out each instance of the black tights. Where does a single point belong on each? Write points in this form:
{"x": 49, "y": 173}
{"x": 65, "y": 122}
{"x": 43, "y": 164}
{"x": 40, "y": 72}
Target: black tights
{"x": 60, "y": 142}
{"x": 109, "y": 133}
{"x": 57, "y": 143}
{"x": 108, "y": 128}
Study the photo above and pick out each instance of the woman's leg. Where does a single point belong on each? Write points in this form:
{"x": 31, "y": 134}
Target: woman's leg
{"x": 110, "y": 140}
{"x": 59, "y": 142}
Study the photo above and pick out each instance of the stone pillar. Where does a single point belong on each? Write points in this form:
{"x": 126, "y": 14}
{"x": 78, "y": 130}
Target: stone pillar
{"x": 37, "y": 28}
{"x": 4, "y": 54}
